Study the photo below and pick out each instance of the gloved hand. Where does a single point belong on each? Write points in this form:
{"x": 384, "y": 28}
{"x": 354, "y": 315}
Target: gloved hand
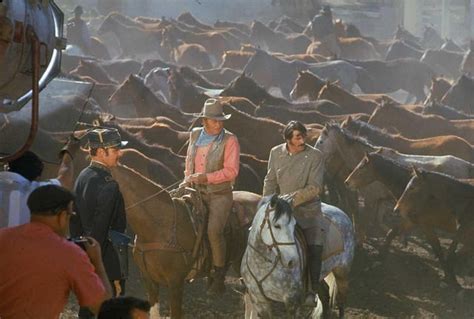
{"x": 71, "y": 147}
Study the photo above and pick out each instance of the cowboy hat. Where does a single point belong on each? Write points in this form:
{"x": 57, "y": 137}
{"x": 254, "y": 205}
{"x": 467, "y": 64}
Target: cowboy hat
{"x": 214, "y": 109}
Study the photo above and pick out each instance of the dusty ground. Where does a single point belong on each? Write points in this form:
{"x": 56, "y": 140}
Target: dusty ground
{"x": 404, "y": 284}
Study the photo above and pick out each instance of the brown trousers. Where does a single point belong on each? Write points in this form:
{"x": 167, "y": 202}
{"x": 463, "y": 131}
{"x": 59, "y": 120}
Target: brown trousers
{"x": 219, "y": 206}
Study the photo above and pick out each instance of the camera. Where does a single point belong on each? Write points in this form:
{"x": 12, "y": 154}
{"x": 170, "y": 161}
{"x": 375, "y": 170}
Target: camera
{"x": 80, "y": 241}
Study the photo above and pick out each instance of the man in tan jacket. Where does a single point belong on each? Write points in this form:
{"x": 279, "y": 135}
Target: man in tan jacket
{"x": 212, "y": 164}
{"x": 295, "y": 171}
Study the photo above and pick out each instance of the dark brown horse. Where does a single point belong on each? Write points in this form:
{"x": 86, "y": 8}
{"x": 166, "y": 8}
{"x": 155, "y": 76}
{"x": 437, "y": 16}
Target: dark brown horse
{"x": 457, "y": 199}
{"x": 461, "y": 95}
{"x": 439, "y": 87}
{"x": 448, "y": 112}
{"x": 165, "y": 236}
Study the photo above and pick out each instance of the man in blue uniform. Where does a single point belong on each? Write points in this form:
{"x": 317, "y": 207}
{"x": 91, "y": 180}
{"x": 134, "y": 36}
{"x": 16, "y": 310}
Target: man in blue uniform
{"x": 99, "y": 203}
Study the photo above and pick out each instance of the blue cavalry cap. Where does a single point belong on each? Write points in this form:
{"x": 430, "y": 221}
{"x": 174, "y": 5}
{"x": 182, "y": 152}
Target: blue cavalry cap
{"x": 105, "y": 138}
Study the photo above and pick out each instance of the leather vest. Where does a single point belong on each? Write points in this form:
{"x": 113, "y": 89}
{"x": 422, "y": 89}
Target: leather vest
{"x": 214, "y": 160}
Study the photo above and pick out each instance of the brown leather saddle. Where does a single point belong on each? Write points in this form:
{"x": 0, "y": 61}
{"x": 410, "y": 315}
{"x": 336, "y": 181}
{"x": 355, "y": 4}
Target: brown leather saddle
{"x": 235, "y": 231}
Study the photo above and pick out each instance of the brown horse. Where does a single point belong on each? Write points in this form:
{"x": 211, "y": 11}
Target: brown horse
{"x": 395, "y": 176}
{"x": 397, "y": 119}
{"x": 307, "y": 84}
{"x": 350, "y": 102}
{"x": 266, "y": 69}
{"x": 93, "y": 70}
{"x": 284, "y": 115}
{"x": 165, "y": 236}
{"x": 456, "y": 197}
{"x": 276, "y": 41}
{"x": 439, "y": 145}
{"x": 134, "y": 99}
{"x": 351, "y": 48}
{"x": 409, "y": 75}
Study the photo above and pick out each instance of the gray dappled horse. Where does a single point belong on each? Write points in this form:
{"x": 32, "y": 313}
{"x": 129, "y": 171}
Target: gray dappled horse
{"x": 273, "y": 266}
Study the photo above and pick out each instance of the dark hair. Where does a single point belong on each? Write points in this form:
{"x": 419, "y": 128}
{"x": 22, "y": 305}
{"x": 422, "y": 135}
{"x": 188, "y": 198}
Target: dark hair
{"x": 49, "y": 200}
{"x": 121, "y": 307}
{"x": 29, "y": 165}
{"x": 293, "y": 126}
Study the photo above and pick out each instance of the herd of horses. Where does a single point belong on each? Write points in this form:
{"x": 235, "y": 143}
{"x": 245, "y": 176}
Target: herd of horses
{"x": 416, "y": 159}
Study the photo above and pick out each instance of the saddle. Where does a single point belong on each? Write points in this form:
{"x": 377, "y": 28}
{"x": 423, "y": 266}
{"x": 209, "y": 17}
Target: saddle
{"x": 237, "y": 225}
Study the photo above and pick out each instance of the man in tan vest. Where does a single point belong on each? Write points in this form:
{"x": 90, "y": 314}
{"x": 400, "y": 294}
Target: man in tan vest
{"x": 212, "y": 164}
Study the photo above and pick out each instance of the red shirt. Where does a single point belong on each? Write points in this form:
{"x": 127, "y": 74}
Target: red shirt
{"x": 38, "y": 269}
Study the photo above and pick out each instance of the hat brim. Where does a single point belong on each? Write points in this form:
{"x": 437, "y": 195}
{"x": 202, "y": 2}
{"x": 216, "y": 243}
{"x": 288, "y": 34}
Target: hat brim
{"x": 222, "y": 117}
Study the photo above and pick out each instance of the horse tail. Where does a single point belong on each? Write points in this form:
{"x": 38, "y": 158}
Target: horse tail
{"x": 332, "y": 284}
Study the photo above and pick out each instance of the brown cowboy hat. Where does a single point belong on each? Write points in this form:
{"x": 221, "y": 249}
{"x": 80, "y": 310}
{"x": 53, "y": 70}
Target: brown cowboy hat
{"x": 214, "y": 109}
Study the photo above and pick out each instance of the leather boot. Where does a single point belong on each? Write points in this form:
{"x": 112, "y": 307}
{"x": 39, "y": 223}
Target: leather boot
{"x": 315, "y": 254}
{"x": 217, "y": 286}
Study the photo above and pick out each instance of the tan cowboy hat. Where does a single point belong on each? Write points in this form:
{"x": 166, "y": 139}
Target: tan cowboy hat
{"x": 214, "y": 109}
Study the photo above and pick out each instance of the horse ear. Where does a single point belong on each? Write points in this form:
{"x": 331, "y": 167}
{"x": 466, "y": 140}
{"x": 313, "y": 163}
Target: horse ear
{"x": 273, "y": 200}
{"x": 349, "y": 119}
{"x": 415, "y": 171}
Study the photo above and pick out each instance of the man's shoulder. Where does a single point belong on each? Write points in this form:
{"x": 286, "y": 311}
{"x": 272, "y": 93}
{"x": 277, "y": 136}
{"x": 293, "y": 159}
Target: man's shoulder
{"x": 279, "y": 149}
{"x": 313, "y": 152}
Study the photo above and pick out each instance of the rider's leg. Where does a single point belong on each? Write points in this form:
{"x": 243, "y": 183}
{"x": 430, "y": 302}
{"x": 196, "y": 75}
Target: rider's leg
{"x": 219, "y": 206}
{"x": 315, "y": 237}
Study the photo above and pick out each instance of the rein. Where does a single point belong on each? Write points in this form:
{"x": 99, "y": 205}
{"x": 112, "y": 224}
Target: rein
{"x": 275, "y": 244}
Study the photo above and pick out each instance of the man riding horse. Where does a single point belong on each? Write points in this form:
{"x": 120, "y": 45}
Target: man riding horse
{"x": 295, "y": 171}
{"x": 212, "y": 164}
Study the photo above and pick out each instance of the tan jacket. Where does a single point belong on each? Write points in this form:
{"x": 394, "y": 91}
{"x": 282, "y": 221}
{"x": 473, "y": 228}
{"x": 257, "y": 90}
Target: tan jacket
{"x": 300, "y": 175}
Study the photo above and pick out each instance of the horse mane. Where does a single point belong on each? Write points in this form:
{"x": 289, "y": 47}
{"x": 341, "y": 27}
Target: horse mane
{"x": 351, "y": 137}
{"x": 281, "y": 206}
{"x": 370, "y": 129}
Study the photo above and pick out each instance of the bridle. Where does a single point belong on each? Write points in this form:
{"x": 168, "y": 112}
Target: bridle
{"x": 275, "y": 244}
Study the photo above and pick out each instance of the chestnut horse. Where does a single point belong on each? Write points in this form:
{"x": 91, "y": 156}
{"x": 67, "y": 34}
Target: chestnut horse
{"x": 165, "y": 235}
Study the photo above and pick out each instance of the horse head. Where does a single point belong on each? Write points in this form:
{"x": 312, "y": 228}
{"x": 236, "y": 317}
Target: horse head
{"x": 276, "y": 231}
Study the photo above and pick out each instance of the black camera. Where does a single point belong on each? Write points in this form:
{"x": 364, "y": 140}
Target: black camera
{"x": 80, "y": 241}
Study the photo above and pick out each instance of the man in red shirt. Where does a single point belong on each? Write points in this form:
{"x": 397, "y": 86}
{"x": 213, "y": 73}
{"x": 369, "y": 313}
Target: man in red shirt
{"x": 212, "y": 164}
{"x": 39, "y": 266}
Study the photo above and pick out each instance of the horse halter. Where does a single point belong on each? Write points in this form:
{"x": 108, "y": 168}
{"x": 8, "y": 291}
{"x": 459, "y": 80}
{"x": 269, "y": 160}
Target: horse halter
{"x": 275, "y": 244}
